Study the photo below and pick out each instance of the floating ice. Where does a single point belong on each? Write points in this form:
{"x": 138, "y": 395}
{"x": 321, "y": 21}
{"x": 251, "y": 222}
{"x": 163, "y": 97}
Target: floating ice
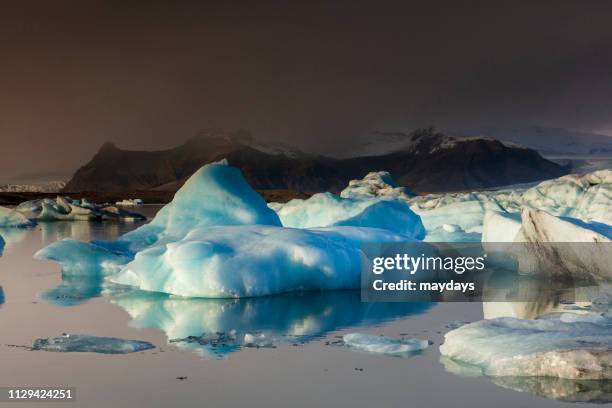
{"x": 539, "y": 226}
{"x": 217, "y": 194}
{"x": 243, "y": 261}
{"x": 80, "y": 258}
{"x": 585, "y": 197}
{"x": 257, "y": 340}
{"x": 218, "y": 238}
{"x": 500, "y": 226}
{"x": 554, "y": 347}
{"x": 65, "y": 209}
{"x": 11, "y": 218}
{"x": 327, "y": 209}
{"x": 382, "y": 345}
{"x": 130, "y": 202}
{"x": 376, "y": 184}
{"x": 445, "y": 218}
{"x": 455, "y": 325}
{"x": 90, "y": 344}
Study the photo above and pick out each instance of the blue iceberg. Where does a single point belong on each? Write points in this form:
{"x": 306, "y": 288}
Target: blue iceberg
{"x": 218, "y": 238}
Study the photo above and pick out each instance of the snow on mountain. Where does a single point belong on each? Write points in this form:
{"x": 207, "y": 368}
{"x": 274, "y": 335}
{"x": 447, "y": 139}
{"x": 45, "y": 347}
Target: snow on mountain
{"x": 46, "y": 187}
{"x": 550, "y": 142}
{"x": 421, "y": 141}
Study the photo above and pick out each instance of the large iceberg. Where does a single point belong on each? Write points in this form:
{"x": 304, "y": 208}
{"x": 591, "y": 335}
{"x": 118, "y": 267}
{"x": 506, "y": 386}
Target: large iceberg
{"x": 245, "y": 261}
{"x": 218, "y": 238}
{"x": 573, "y": 346}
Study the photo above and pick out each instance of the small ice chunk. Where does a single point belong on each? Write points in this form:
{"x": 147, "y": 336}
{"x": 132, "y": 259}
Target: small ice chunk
{"x": 257, "y": 340}
{"x": 92, "y": 344}
{"x": 383, "y": 345}
{"x": 455, "y": 325}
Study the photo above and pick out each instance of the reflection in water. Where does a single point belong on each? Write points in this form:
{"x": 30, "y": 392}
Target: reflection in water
{"x": 84, "y": 230}
{"x": 559, "y": 388}
{"x": 221, "y": 324}
{"x": 74, "y": 290}
{"x": 290, "y": 318}
{"x": 548, "y": 387}
{"x": 12, "y": 237}
{"x": 526, "y": 297}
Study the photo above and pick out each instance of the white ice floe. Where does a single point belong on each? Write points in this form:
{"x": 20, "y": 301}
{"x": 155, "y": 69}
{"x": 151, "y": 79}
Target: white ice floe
{"x": 376, "y": 184}
{"x": 10, "y": 218}
{"x": 574, "y": 347}
{"x": 383, "y": 345}
{"x": 92, "y": 344}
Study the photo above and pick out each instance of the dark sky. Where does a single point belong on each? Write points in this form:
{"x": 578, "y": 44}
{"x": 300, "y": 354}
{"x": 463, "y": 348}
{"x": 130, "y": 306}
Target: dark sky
{"x": 151, "y": 74}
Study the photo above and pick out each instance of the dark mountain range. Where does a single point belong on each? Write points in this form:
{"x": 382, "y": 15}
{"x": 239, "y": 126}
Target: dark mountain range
{"x": 431, "y": 162}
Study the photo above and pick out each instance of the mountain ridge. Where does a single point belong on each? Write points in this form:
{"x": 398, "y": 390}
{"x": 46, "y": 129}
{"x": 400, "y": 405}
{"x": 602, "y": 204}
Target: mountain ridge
{"x": 434, "y": 162}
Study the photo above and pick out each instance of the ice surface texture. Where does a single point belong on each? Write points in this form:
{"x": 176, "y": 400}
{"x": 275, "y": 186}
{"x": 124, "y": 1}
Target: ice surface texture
{"x": 251, "y": 260}
{"x": 382, "y": 345}
{"x": 327, "y": 209}
{"x": 91, "y": 344}
{"x": 569, "y": 346}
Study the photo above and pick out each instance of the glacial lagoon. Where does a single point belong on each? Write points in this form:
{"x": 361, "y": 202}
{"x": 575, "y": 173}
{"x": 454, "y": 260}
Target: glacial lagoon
{"x": 295, "y": 356}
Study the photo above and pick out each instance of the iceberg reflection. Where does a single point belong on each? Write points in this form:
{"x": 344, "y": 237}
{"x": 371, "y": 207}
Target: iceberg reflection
{"x": 219, "y": 326}
{"x": 560, "y": 389}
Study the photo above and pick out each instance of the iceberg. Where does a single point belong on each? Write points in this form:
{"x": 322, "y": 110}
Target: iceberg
{"x": 11, "y": 218}
{"x": 376, "y": 184}
{"x": 215, "y": 195}
{"x": 251, "y": 260}
{"x": 219, "y": 239}
{"x": 327, "y": 209}
{"x": 454, "y": 217}
{"x": 383, "y": 345}
{"x": 91, "y": 344}
{"x": 572, "y": 347}
{"x": 66, "y": 209}
{"x": 585, "y": 197}
{"x": 80, "y": 258}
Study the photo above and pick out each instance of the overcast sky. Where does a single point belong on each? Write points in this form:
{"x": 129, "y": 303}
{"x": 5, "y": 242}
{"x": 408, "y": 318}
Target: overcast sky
{"x": 74, "y": 74}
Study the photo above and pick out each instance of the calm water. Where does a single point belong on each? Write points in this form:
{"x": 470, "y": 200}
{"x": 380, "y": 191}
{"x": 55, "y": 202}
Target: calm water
{"x": 304, "y": 370}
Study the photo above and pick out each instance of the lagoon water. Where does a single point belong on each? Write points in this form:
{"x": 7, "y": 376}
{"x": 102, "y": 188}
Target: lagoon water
{"x": 305, "y": 368}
